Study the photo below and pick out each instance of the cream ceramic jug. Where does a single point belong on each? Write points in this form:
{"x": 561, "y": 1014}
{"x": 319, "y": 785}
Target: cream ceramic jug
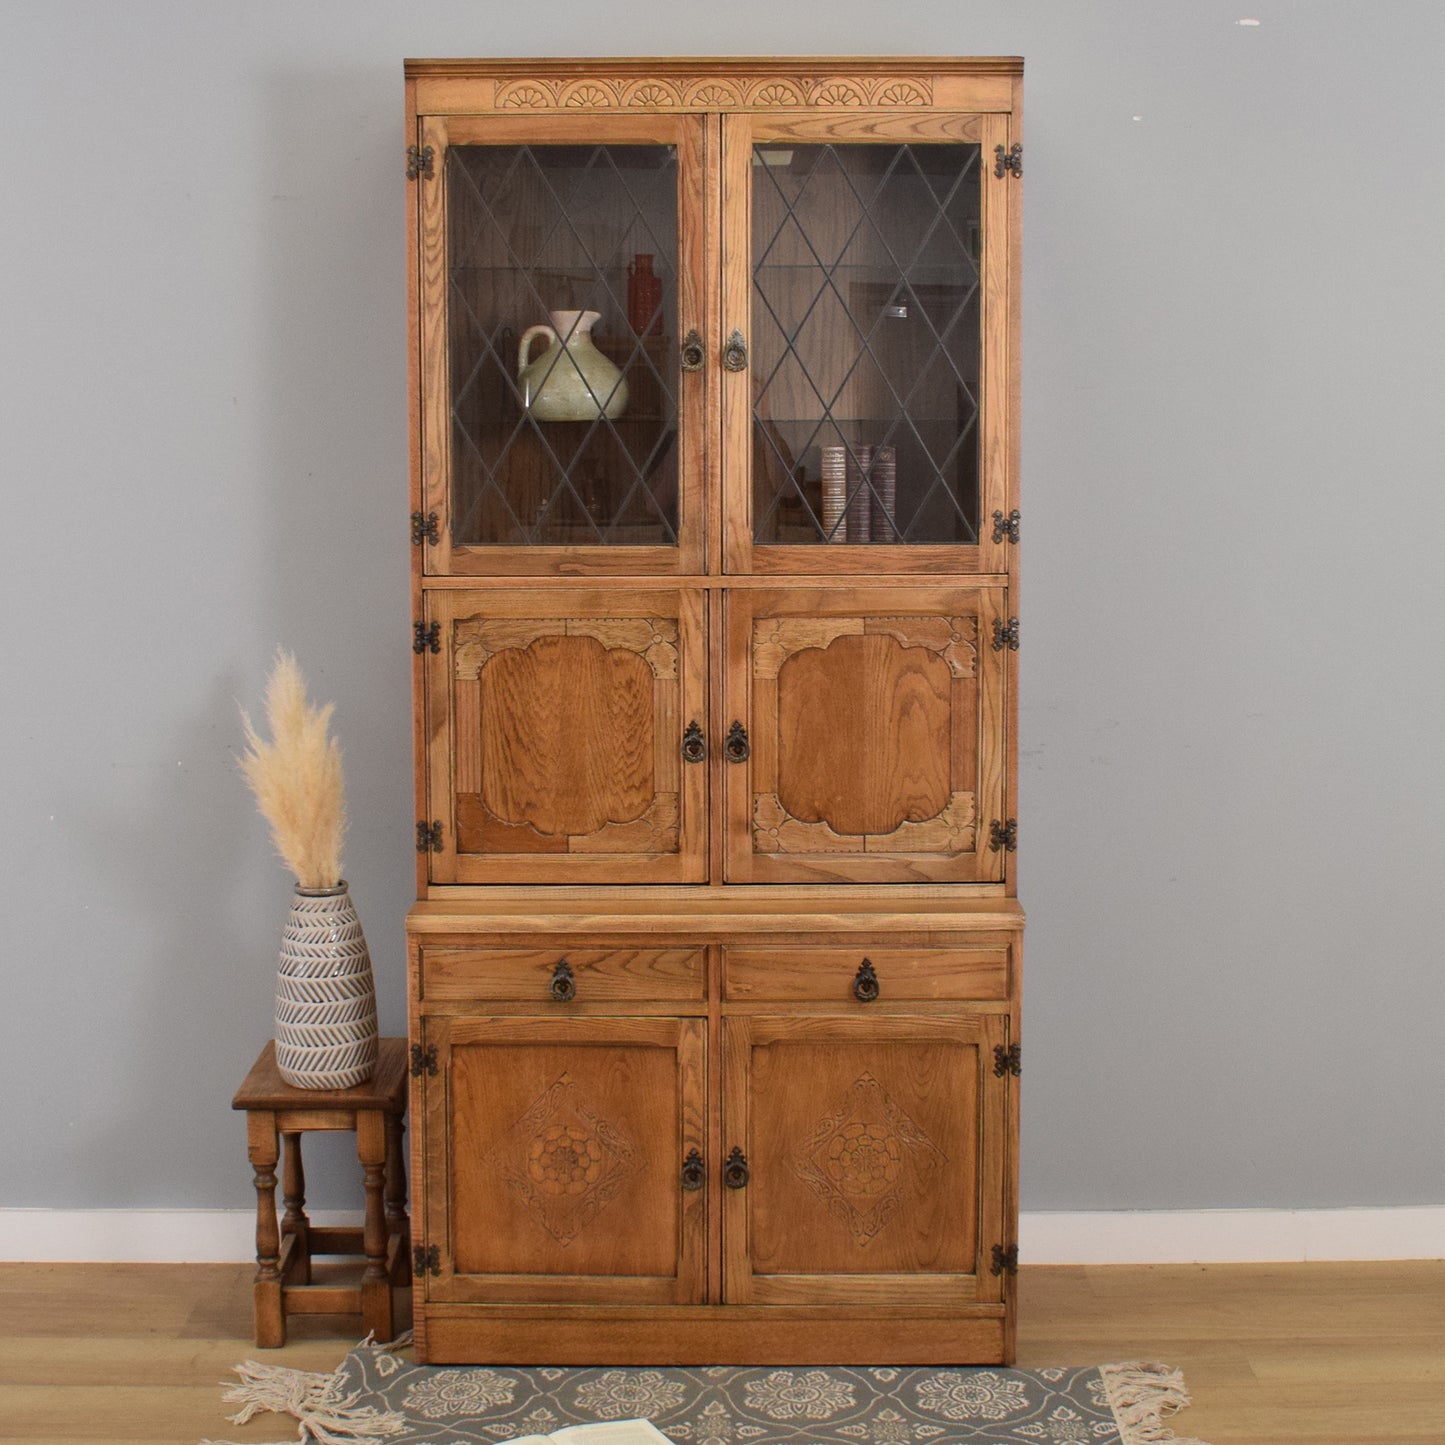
{"x": 571, "y": 380}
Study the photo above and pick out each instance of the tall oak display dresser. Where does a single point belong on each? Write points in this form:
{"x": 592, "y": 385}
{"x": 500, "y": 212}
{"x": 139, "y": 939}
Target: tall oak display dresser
{"x": 714, "y": 973}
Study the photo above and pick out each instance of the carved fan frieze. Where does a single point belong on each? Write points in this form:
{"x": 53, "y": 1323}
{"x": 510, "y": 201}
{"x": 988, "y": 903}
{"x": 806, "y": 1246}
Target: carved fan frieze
{"x": 740, "y": 91}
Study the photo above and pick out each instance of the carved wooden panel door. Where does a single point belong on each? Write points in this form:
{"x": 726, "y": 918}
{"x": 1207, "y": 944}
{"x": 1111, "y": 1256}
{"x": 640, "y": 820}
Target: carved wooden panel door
{"x": 875, "y": 1159}
{"x": 557, "y": 722}
{"x": 874, "y": 723}
{"x": 561, "y": 1180}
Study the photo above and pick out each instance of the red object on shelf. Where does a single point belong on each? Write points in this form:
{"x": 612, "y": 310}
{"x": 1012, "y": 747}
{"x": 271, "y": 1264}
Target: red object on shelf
{"x": 644, "y": 296}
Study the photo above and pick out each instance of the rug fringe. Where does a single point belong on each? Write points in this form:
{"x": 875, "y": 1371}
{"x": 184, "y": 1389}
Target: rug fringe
{"x": 1140, "y": 1395}
{"x": 326, "y": 1416}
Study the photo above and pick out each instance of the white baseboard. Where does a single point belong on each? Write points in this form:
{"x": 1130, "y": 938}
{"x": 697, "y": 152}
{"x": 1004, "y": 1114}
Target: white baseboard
{"x": 1203, "y": 1236}
{"x": 137, "y": 1236}
{"x": 1231, "y": 1236}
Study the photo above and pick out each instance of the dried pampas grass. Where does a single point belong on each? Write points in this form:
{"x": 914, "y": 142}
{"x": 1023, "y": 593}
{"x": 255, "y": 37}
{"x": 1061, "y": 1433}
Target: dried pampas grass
{"x": 296, "y": 778}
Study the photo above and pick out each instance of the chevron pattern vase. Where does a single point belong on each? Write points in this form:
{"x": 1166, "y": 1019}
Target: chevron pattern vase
{"x": 325, "y": 994}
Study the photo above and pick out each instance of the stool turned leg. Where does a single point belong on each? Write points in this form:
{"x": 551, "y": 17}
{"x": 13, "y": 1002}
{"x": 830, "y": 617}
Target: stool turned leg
{"x": 375, "y": 1282}
{"x": 294, "y": 1194}
{"x": 261, "y": 1147}
{"x": 396, "y": 1220}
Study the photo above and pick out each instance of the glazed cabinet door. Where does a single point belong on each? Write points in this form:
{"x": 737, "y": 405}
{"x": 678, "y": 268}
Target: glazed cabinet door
{"x": 874, "y": 1157}
{"x": 554, "y": 1160}
{"x": 561, "y": 264}
{"x": 561, "y": 746}
{"x": 866, "y": 734}
{"x": 866, "y": 290}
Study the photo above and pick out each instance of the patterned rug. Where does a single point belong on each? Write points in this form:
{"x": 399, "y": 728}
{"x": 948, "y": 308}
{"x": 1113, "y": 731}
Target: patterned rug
{"x": 378, "y": 1395}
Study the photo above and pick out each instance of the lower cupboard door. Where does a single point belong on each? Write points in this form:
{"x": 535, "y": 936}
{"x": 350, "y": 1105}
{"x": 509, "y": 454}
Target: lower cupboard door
{"x": 872, "y": 1156}
{"x": 554, "y": 1160}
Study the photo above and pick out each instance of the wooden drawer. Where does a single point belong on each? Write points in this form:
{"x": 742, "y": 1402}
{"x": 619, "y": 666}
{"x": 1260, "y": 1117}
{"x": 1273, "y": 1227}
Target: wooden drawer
{"x": 828, "y": 975}
{"x": 598, "y": 975}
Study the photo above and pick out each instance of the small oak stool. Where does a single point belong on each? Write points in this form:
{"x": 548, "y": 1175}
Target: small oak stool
{"x": 283, "y": 1253}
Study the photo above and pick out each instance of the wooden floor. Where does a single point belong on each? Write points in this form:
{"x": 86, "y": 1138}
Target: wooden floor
{"x": 1332, "y": 1354}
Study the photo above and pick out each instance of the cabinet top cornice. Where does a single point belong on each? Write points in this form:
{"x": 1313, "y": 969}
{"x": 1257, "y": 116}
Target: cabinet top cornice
{"x": 656, "y": 83}
{"x": 723, "y": 65}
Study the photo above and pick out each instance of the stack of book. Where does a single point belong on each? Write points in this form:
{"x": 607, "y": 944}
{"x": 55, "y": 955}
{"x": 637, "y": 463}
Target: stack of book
{"x": 860, "y": 491}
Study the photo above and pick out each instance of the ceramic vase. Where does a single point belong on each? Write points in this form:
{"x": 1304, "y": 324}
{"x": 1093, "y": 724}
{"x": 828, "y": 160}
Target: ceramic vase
{"x": 571, "y": 380}
{"x": 326, "y": 1036}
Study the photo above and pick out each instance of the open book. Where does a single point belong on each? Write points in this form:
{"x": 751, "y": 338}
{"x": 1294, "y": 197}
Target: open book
{"x": 604, "y": 1432}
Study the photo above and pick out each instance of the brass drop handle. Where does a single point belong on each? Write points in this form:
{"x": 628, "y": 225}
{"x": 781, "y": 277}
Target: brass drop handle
{"x": 735, "y": 1171}
{"x": 735, "y": 353}
{"x": 694, "y": 745}
{"x": 564, "y": 985}
{"x": 694, "y": 1171}
{"x": 865, "y": 982}
{"x": 693, "y": 354}
{"x": 737, "y": 749}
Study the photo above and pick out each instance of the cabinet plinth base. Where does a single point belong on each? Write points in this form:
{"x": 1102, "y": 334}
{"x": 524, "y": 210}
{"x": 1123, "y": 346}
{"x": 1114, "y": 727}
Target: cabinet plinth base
{"x": 709, "y": 1335}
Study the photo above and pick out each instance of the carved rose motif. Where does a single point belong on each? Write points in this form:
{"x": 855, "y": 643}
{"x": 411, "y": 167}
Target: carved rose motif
{"x": 565, "y": 1160}
{"x": 863, "y": 1159}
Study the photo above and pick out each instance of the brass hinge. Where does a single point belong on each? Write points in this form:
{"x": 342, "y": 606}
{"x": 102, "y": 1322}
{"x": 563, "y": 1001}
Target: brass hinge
{"x": 1002, "y": 526}
{"x": 1004, "y": 835}
{"x": 427, "y": 639}
{"x": 423, "y": 1060}
{"x": 428, "y": 836}
{"x": 1007, "y": 1059}
{"x": 1010, "y": 160}
{"x": 1005, "y": 1261}
{"x": 420, "y": 161}
{"x": 424, "y": 528}
{"x": 426, "y": 1259}
{"x": 1005, "y": 635}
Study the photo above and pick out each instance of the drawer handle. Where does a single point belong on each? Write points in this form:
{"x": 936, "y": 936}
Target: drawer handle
{"x": 737, "y": 748}
{"x": 564, "y": 985}
{"x": 694, "y": 745}
{"x": 735, "y": 1171}
{"x": 735, "y": 353}
{"x": 694, "y": 1171}
{"x": 865, "y": 982}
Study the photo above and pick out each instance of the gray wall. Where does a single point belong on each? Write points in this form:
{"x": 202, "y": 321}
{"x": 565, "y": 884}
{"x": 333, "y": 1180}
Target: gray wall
{"x": 1232, "y": 767}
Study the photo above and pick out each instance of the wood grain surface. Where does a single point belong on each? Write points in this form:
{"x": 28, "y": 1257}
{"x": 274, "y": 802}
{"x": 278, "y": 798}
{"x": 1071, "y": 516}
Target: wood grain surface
{"x": 875, "y": 1147}
{"x": 882, "y": 1138}
{"x": 562, "y": 1181}
{"x": 1273, "y": 1354}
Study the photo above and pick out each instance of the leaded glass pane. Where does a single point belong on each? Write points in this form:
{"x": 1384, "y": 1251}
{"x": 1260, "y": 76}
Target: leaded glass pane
{"x": 572, "y": 441}
{"x": 866, "y": 339}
